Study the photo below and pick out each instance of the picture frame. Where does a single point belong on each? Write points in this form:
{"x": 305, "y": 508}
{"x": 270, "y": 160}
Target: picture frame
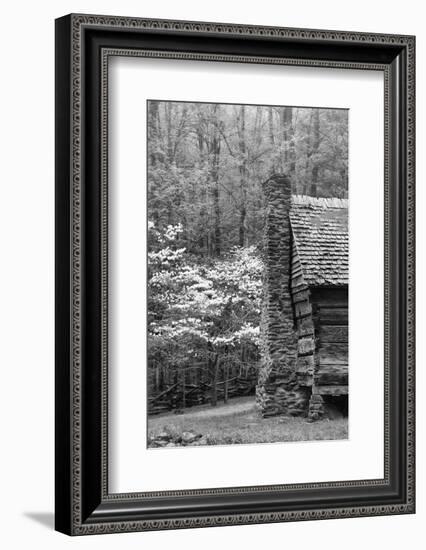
{"x": 84, "y": 505}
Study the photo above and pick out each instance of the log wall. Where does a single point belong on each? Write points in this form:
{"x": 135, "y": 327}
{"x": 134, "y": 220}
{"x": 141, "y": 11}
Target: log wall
{"x": 305, "y": 328}
{"x": 321, "y": 317}
{"x": 332, "y": 341}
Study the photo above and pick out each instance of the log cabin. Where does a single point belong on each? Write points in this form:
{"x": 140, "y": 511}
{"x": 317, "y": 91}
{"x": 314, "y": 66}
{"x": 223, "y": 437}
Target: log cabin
{"x": 304, "y": 320}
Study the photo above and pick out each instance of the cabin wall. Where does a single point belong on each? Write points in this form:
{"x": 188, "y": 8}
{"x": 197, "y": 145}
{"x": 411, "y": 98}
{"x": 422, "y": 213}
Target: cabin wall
{"x": 305, "y": 362}
{"x": 321, "y": 321}
{"x": 330, "y": 316}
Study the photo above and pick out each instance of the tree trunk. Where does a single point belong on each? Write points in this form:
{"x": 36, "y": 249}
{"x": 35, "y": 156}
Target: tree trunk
{"x": 271, "y": 126}
{"x": 169, "y": 130}
{"x": 272, "y": 140}
{"x": 225, "y": 382}
{"x": 282, "y": 153}
{"x": 315, "y": 148}
{"x": 183, "y": 389}
{"x": 242, "y": 167}
{"x": 215, "y": 151}
{"x": 214, "y": 369}
{"x": 307, "y": 174}
{"x": 203, "y": 222}
{"x": 290, "y": 155}
{"x": 153, "y": 128}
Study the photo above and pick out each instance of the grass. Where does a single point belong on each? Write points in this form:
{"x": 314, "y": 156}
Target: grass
{"x": 240, "y": 422}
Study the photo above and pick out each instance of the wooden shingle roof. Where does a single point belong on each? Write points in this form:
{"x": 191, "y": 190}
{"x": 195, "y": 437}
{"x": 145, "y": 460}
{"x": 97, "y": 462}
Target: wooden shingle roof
{"x": 320, "y": 231}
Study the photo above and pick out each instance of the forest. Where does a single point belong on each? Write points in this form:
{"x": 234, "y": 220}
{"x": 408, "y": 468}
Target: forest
{"x": 205, "y": 168}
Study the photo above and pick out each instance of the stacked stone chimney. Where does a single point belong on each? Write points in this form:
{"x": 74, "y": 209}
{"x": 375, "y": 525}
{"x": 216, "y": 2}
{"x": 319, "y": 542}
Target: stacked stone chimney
{"x": 278, "y": 391}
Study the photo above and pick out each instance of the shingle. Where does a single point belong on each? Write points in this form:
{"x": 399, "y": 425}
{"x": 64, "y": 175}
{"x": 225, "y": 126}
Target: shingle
{"x": 320, "y": 230}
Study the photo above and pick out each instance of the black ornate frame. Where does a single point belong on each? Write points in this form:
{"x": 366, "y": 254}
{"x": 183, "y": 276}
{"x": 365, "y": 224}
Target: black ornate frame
{"x": 83, "y": 45}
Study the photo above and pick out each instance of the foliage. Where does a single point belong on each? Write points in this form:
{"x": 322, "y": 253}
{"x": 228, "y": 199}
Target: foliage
{"x": 198, "y": 308}
{"x": 206, "y": 164}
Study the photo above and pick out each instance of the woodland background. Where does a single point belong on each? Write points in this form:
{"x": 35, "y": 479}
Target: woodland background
{"x": 206, "y": 165}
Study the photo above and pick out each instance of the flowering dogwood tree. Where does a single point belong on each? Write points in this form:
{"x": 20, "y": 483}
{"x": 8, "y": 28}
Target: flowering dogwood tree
{"x": 201, "y": 310}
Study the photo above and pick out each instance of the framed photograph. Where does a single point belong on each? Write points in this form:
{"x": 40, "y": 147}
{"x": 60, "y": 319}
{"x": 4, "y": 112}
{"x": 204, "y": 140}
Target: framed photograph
{"x": 234, "y": 274}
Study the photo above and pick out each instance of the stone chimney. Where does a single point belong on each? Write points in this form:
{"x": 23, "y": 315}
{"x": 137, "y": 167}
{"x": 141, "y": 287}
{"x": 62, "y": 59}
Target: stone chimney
{"x": 277, "y": 391}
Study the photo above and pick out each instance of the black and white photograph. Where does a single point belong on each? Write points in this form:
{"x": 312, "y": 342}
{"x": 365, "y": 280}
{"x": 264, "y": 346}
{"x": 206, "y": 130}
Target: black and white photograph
{"x": 248, "y": 274}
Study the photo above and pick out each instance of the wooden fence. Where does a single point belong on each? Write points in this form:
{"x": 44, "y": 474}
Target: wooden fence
{"x": 180, "y": 388}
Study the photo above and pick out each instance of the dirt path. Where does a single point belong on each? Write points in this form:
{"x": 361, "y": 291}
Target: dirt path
{"x": 237, "y": 405}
